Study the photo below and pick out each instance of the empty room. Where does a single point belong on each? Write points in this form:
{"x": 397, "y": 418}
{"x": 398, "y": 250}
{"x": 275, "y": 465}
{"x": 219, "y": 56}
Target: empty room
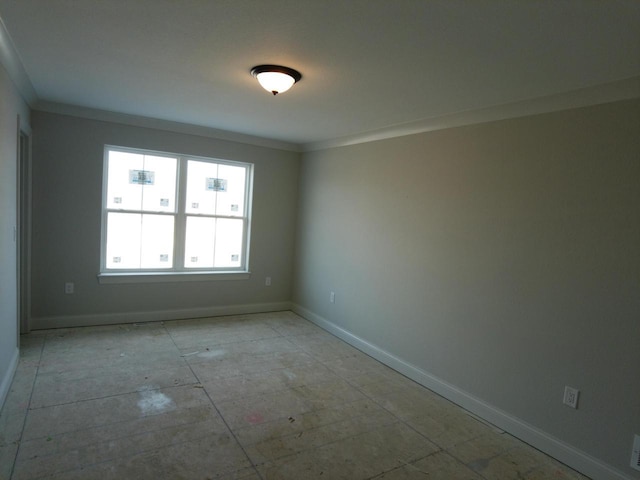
{"x": 320, "y": 239}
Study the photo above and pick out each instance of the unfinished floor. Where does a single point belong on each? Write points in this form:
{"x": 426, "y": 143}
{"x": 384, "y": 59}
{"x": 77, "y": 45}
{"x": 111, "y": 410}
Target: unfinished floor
{"x": 264, "y": 396}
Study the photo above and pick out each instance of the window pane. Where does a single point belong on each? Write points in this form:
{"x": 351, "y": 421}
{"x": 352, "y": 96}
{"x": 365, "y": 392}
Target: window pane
{"x": 121, "y": 193}
{"x": 201, "y": 187}
{"x": 160, "y": 195}
{"x": 123, "y": 240}
{"x": 156, "y": 245}
{"x": 199, "y": 242}
{"x": 139, "y": 241}
{"x": 141, "y": 182}
{"x": 228, "y": 246}
{"x": 230, "y": 203}
{"x": 215, "y": 189}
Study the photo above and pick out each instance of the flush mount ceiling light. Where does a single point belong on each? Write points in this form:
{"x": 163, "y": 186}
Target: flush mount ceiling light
{"x": 276, "y": 79}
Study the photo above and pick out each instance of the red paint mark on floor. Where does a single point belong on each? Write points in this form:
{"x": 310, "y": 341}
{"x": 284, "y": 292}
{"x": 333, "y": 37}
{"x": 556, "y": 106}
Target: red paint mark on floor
{"x": 254, "y": 418}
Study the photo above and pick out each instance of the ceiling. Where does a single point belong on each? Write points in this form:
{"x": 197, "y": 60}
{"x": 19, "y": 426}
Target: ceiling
{"x": 366, "y": 64}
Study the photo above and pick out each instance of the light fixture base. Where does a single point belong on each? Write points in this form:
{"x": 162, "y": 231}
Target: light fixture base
{"x": 276, "y": 78}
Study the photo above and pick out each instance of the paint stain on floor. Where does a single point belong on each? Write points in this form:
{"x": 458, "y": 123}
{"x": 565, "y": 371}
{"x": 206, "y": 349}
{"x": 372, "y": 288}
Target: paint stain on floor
{"x": 153, "y": 402}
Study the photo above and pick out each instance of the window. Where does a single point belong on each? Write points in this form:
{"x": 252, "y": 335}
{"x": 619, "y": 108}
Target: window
{"x": 175, "y": 214}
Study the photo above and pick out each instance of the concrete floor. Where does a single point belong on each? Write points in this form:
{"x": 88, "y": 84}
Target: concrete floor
{"x": 264, "y": 396}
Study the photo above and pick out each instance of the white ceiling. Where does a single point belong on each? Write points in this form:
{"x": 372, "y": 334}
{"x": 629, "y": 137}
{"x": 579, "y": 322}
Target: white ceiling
{"x": 366, "y": 64}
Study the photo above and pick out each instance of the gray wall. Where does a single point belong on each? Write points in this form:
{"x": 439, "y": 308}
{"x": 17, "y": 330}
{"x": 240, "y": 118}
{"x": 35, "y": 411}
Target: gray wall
{"x": 503, "y": 258}
{"x": 11, "y": 105}
{"x": 67, "y": 185}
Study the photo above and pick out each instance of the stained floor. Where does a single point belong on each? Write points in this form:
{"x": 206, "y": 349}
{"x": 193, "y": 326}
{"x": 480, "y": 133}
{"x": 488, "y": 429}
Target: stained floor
{"x": 263, "y": 396}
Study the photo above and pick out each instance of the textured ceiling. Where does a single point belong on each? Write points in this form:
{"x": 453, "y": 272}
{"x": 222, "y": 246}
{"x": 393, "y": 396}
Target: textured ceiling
{"x": 366, "y": 64}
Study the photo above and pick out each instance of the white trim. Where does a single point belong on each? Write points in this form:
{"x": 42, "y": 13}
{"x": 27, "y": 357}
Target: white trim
{"x": 28, "y": 227}
{"x": 42, "y": 323}
{"x": 23, "y": 224}
{"x": 12, "y": 62}
{"x": 8, "y": 377}
{"x": 165, "y": 125}
{"x": 609, "y": 92}
{"x": 169, "y": 277}
{"x": 530, "y": 434}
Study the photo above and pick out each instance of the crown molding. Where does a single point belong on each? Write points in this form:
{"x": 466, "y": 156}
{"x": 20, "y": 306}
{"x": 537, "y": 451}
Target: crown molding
{"x": 15, "y": 68}
{"x": 159, "y": 124}
{"x": 624, "y": 89}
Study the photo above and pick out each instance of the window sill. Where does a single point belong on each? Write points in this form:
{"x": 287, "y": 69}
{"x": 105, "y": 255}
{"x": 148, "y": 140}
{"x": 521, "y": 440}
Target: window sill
{"x": 168, "y": 277}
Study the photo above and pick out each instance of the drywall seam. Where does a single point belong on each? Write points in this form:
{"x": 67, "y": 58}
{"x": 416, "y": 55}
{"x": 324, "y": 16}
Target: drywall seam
{"x": 8, "y": 377}
{"x": 63, "y": 321}
{"x": 541, "y": 440}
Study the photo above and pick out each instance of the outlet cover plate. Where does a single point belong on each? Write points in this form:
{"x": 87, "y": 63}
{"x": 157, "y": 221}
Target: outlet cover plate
{"x": 571, "y": 396}
{"x": 635, "y": 454}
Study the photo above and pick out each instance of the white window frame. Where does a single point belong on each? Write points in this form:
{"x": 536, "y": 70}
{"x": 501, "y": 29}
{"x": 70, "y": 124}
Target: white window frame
{"x": 178, "y": 272}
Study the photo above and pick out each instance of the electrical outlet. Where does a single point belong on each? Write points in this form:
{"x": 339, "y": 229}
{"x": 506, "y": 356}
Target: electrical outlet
{"x": 635, "y": 453}
{"x": 267, "y": 281}
{"x": 69, "y": 287}
{"x": 571, "y": 397}
{"x": 332, "y": 297}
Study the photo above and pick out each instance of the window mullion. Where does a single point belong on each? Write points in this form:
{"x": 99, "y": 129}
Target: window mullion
{"x": 181, "y": 218}
{"x": 143, "y": 212}
{"x": 105, "y": 214}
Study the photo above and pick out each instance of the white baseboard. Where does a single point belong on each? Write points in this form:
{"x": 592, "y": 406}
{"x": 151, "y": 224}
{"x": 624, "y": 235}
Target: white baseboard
{"x": 7, "y": 377}
{"x": 567, "y": 454}
{"x": 63, "y": 321}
